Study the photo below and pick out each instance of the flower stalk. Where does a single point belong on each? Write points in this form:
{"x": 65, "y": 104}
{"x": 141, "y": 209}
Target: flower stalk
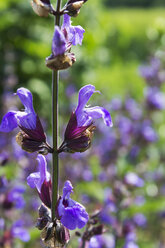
{"x": 55, "y": 158}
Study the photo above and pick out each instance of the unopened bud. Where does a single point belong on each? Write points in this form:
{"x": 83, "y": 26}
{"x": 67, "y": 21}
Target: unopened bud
{"x": 55, "y": 235}
{"x": 41, "y": 7}
{"x": 73, "y": 9}
{"x": 43, "y": 211}
{"x": 33, "y": 140}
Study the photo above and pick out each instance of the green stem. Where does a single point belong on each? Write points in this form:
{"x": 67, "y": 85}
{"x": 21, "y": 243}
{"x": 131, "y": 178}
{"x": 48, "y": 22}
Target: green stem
{"x": 55, "y": 158}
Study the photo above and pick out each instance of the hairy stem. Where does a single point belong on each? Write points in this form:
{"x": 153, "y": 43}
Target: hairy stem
{"x": 55, "y": 158}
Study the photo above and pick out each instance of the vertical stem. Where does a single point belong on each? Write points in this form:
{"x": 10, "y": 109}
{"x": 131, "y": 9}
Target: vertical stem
{"x": 55, "y": 158}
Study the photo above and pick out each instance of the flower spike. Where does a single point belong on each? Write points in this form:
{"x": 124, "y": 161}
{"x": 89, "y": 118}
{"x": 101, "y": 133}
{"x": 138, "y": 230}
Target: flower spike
{"x": 61, "y": 57}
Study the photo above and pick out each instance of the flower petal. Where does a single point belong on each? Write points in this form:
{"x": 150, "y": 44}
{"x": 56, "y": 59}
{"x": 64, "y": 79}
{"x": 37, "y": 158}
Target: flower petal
{"x": 84, "y": 95}
{"x": 77, "y": 35}
{"x": 27, "y": 99}
{"x": 59, "y": 42}
{"x": 26, "y": 120}
{"x": 67, "y": 190}
{"x": 44, "y": 174}
{"x": 74, "y": 33}
{"x": 19, "y": 232}
{"x": 9, "y": 122}
{"x": 99, "y": 112}
{"x": 36, "y": 179}
{"x": 74, "y": 217}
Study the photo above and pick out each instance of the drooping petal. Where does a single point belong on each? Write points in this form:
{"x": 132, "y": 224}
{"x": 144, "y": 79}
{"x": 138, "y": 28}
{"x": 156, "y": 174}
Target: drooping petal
{"x": 99, "y": 112}
{"x": 9, "y": 122}
{"x": 58, "y": 42}
{"x": 74, "y": 33}
{"x": 77, "y": 35}
{"x": 27, "y": 99}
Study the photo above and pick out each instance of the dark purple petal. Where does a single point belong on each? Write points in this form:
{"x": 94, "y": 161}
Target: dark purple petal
{"x": 9, "y": 122}
{"x": 59, "y": 42}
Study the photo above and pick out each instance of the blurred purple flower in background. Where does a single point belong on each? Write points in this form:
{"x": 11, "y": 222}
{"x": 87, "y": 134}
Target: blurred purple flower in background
{"x": 155, "y": 98}
{"x": 71, "y": 213}
{"x": 149, "y": 72}
{"x": 18, "y": 231}
{"x": 133, "y": 179}
{"x": 14, "y": 198}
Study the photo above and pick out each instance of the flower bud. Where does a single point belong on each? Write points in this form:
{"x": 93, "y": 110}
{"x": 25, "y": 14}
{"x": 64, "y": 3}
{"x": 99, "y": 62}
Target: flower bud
{"x": 55, "y": 235}
{"x": 41, "y": 7}
{"x": 32, "y": 140}
{"x": 73, "y": 9}
{"x": 60, "y": 62}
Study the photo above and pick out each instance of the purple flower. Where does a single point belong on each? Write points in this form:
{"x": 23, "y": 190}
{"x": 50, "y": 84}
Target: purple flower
{"x": 130, "y": 244}
{"x": 32, "y": 137}
{"x": 41, "y": 181}
{"x": 133, "y": 179}
{"x": 155, "y": 98}
{"x": 63, "y": 38}
{"x": 140, "y": 219}
{"x": 98, "y": 241}
{"x": 15, "y": 198}
{"x": 74, "y": 34}
{"x": 150, "y": 72}
{"x": 71, "y": 213}
{"x": 86, "y": 115}
{"x": 18, "y": 231}
{"x": 80, "y": 128}
{"x": 26, "y": 119}
{"x": 148, "y": 132}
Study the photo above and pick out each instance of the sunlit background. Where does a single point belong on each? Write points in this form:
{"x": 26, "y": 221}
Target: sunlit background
{"x": 123, "y": 55}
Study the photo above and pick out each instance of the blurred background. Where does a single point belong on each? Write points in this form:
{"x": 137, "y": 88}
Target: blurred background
{"x": 123, "y": 55}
